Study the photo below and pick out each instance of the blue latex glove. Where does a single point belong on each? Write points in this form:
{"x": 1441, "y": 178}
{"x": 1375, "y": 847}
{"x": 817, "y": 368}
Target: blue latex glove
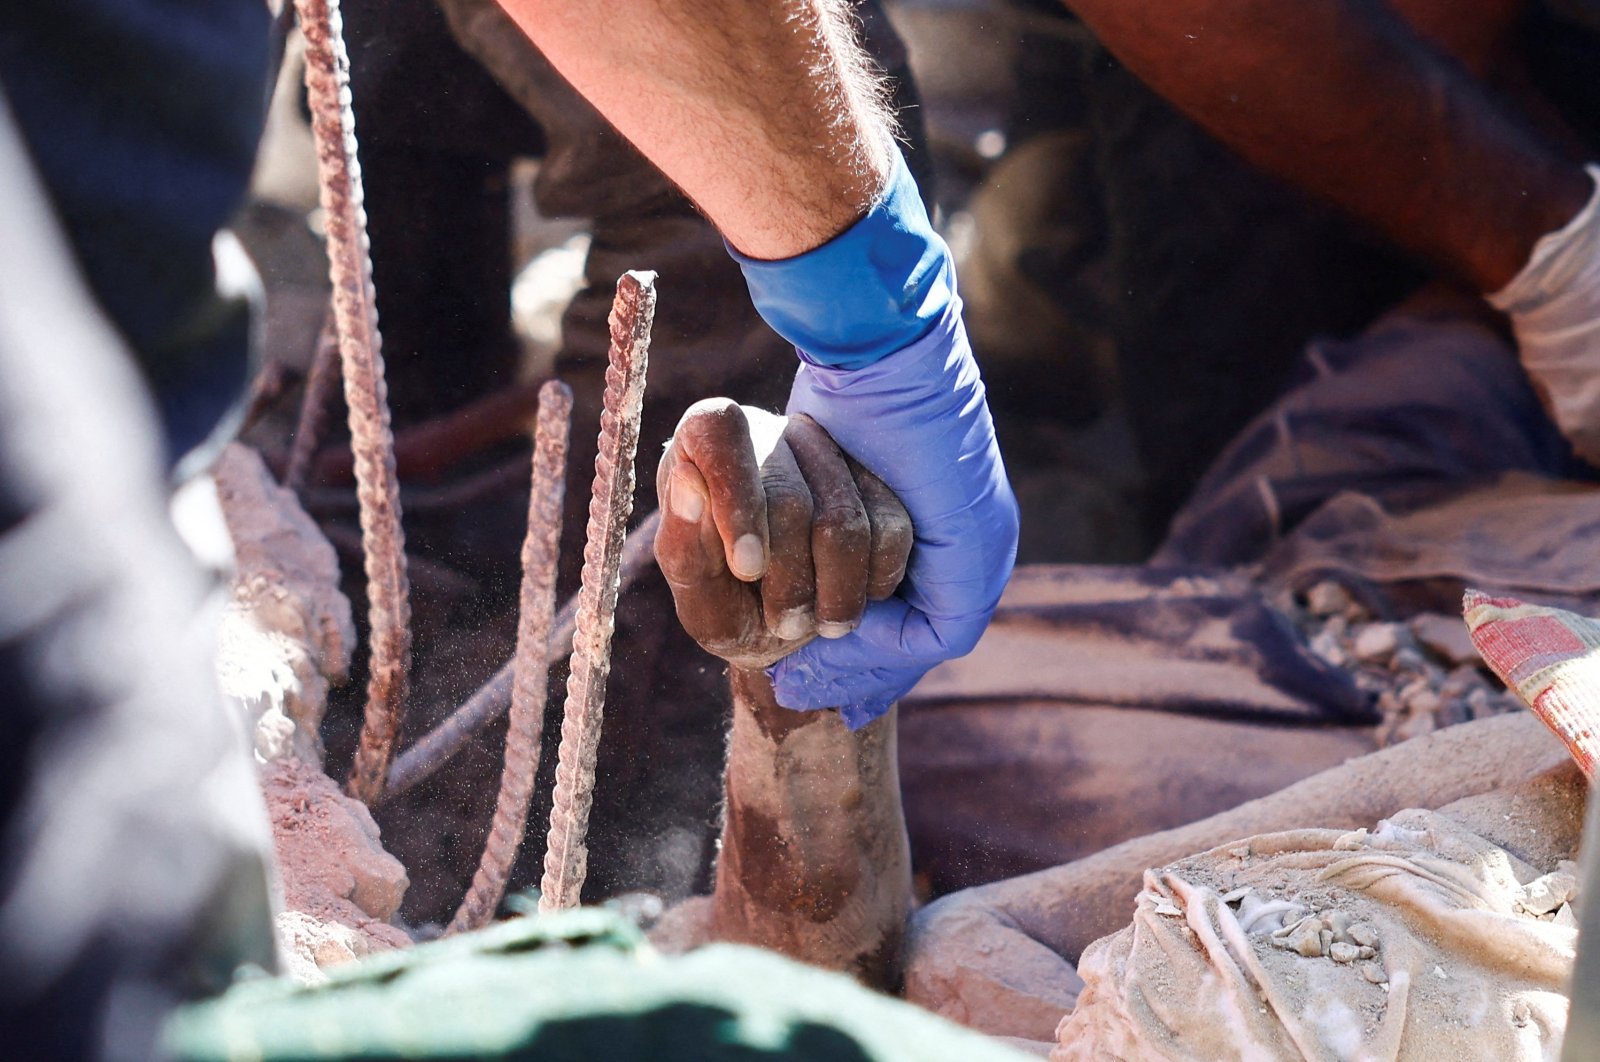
{"x": 888, "y": 371}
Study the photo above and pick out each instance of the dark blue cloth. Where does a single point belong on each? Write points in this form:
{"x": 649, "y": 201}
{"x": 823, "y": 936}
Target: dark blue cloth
{"x": 142, "y": 118}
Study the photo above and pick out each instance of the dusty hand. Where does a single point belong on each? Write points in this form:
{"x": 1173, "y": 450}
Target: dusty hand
{"x": 769, "y": 534}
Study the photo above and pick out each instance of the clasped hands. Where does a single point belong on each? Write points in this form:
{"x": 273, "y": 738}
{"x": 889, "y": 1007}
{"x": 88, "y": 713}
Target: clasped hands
{"x": 770, "y": 535}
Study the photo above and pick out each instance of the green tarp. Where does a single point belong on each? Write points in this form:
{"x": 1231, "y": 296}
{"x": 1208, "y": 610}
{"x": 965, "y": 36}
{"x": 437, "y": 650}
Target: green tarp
{"x": 583, "y": 985}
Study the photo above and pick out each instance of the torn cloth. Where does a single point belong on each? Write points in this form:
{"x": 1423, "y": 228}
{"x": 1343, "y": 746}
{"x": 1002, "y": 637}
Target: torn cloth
{"x": 1419, "y": 940}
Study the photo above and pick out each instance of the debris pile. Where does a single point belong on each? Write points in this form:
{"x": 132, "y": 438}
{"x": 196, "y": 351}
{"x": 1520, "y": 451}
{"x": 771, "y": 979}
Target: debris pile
{"x": 286, "y": 633}
{"x": 1424, "y": 671}
{"x": 1415, "y": 939}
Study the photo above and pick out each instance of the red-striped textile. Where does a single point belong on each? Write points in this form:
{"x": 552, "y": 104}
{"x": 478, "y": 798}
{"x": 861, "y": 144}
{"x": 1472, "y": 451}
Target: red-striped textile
{"x": 1551, "y": 659}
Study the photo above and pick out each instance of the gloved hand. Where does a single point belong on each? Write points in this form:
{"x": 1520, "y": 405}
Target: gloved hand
{"x": 888, "y": 372}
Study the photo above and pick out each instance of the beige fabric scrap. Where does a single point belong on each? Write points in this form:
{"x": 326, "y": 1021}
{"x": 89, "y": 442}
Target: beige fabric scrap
{"x": 1461, "y": 964}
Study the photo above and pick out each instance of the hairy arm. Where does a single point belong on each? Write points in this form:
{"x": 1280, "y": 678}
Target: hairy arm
{"x": 767, "y": 115}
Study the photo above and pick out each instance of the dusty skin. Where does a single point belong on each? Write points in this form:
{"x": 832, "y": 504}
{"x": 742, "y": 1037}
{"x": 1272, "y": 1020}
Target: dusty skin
{"x": 815, "y": 858}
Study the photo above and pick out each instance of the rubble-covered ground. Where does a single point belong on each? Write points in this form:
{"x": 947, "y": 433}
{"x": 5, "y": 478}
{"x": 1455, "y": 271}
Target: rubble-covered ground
{"x": 1424, "y": 671}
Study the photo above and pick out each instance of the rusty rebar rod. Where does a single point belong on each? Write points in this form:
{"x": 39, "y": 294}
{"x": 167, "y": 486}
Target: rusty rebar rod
{"x": 566, "y": 856}
{"x": 360, "y": 349}
{"x": 314, "y": 402}
{"x": 434, "y": 749}
{"x": 540, "y": 553}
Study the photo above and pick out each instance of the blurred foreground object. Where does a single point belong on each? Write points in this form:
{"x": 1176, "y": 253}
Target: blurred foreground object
{"x": 580, "y": 984}
{"x": 132, "y": 846}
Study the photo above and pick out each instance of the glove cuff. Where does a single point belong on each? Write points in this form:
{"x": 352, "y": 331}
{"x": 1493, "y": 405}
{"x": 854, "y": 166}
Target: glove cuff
{"x": 875, "y": 288}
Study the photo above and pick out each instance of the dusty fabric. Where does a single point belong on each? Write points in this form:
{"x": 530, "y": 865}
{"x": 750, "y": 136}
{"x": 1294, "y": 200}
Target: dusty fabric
{"x": 1520, "y": 535}
{"x": 1551, "y": 658}
{"x": 1418, "y": 940}
{"x": 1001, "y": 956}
{"x": 1412, "y": 461}
{"x": 1105, "y": 703}
{"x": 1193, "y": 640}
{"x": 1427, "y": 401}
{"x": 1015, "y": 787}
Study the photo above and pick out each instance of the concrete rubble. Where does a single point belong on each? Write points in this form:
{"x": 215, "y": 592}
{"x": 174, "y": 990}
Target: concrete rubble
{"x": 285, "y": 637}
{"x": 1424, "y": 671}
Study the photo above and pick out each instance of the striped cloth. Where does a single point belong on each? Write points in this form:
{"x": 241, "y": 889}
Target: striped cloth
{"x": 1551, "y": 658}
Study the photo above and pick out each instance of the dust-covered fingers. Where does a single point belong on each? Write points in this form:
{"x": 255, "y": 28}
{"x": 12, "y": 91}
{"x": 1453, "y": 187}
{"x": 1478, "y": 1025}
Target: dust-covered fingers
{"x": 788, "y": 588}
{"x": 717, "y": 609}
{"x": 841, "y": 535}
{"x": 715, "y": 436}
{"x": 891, "y": 534}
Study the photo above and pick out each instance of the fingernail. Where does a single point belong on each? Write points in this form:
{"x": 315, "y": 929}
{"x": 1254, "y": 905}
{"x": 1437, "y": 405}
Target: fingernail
{"x": 749, "y": 559}
{"x": 687, "y": 503}
{"x": 834, "y": 628}
{"x": 795, "y": 623}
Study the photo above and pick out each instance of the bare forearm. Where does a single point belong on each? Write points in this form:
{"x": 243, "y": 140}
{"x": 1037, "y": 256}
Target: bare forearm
{"x": 815, "y": 861}
{"x": 765, "y": 114}
{"x": 1344, "y": 100}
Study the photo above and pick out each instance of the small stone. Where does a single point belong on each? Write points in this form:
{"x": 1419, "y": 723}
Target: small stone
{"x": 1242, "y": 852}
{"x": 1438, "y": 971}
{"x": 1545, "y": 894}
{"x": 1377, "y": 643}
{"x": 1343, "y": 952}
{"x": 1407, "y": 661}
{"x": 1461, "y": 681}
{"x": 1368, "y": 681}
{"x": 1303, "y": 937}
{"x": 1237, "y": 894}
{"x": 1326, "y": 646}
{"x": 1325, "y": 940}
{"x": 1521, "y": 1014}
{"x": 1416, "y": 726}
{"x": 1165, "y": 908}
{"x": 1373, "y": 972}
{"x": 1453, "y": 711}
{"x": 1481, "y": 703}
{"x": 1364, "y": 935}
{"x": 1446, "y": 637}
{"x": 1565, "y": 918}
{"x": 1309, "y": 944}
{"x": 1339, "y": 923}
{"x": 1425, "y": 702}
{"x": 1327, "y": 598}
{"x": 1364, "y": 952}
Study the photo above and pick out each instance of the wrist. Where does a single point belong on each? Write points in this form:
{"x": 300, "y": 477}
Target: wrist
{"x": 872, "y": 290}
